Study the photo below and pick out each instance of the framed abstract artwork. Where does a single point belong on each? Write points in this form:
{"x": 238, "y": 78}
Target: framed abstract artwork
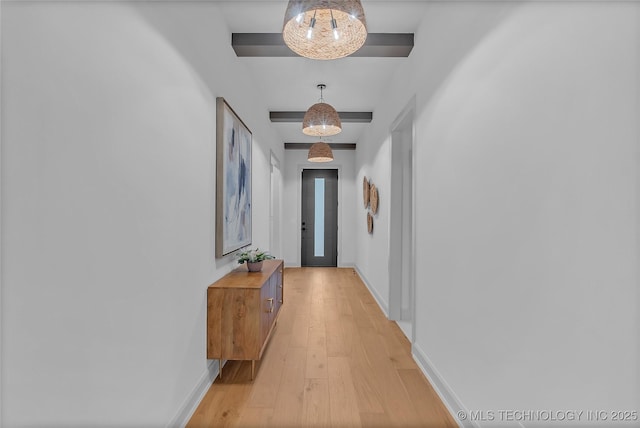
{"x": 233, "y": 181}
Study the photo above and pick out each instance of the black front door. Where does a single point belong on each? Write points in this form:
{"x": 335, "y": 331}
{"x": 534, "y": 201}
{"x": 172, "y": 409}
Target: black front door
{"x": 319, "y": 217}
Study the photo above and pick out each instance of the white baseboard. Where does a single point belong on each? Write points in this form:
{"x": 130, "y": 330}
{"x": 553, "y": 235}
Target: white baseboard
{"x": 191, "y": 402}
{"x": 291, "y": 264}
{"x": 297, "y": 264}
{"x": 381, "y": 302}
{"x": 448, "y": 397}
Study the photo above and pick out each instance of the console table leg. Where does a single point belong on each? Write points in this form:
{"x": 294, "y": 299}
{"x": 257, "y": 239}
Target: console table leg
{"x": 220, "y": 370}
{"x": 253, "y": 369}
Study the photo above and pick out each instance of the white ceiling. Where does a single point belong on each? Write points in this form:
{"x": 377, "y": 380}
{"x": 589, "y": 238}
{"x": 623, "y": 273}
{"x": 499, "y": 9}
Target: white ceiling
{"x": 289, "y": 83}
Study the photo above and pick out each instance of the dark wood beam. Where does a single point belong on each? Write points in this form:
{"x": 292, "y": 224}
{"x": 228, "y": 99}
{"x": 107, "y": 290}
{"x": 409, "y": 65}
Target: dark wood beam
{"x": 297, "y": 116}
{"x": 306, "y": 146}
{"x": 389, "y": 45}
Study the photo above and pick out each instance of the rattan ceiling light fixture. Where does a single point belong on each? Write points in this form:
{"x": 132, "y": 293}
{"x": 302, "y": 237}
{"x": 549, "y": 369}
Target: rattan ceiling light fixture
{"x": 320, "y": 152}
{"x": 321, "y": 120}
{"x": 324, "y": 29}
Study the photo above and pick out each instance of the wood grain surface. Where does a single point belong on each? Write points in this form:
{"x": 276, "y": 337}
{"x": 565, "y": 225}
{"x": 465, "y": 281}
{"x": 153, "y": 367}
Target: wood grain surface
{"x": 334, "y": 360}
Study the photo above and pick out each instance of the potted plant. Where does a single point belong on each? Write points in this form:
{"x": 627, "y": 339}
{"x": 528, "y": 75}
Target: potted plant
{"x": 254, "y": 259}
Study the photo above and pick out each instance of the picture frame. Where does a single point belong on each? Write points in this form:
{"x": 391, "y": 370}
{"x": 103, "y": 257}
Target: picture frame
{"x": 233, "y": 181}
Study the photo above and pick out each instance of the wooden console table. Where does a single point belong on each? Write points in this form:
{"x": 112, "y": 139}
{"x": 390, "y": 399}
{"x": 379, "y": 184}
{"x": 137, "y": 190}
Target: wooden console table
{"x": 242, "y": 309}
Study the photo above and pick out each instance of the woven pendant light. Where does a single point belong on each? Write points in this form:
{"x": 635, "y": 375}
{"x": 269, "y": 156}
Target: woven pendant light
{"x": 324, "y": 29}
{"x": 321, "y": 119}
{"x": 320, "y": 152}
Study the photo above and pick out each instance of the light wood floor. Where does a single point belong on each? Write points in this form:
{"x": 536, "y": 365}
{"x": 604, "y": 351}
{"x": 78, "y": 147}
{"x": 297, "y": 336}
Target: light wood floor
{"x": 334, "y": 360}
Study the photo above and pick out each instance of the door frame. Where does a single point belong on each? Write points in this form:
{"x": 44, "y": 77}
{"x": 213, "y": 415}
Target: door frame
{"x": 330, "y": 257}
{"x": 1, "y": 257}
{"x": 278, "y": 252}
{"x": 395, "y": 228}
{"x": 299, "y": 209}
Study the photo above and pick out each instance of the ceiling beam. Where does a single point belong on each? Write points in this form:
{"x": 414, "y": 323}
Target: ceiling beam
{"x": 306, "y": 146}
{"x": 297, "y": 116}
{"x": 390, "y": 45}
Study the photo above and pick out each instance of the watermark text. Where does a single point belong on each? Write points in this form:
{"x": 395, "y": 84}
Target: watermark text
{"x": 506, "y": 415}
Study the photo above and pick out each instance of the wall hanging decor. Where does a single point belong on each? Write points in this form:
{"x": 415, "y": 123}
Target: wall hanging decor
{"x": 374, "y": 199}
{"x": 369, "y": 222}
{"x": 365, "y": 191}
{"x": 233, "y": 181}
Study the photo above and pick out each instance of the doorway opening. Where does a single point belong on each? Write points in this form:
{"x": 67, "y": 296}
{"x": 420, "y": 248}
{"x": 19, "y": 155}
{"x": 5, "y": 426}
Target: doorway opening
{"x": 275, "y": 209}
{"x": 319, "y": 219}
{"x": 401, "y": 220}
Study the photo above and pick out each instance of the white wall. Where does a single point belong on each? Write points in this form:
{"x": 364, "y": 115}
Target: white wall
{"x": 372, "y": 257}
{"x": 294, "y": 162}
{"x": 108, "y": 185}
{"x": 1, "y": 222}
{"x": 527, "y": 215}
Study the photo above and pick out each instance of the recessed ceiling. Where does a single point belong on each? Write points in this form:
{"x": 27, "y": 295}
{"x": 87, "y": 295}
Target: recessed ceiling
{"x": 354, "y": 84}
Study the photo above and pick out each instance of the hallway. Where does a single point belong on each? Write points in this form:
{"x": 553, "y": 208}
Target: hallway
{"x": 334, "y": 360}
{"x": 513, "y": 124}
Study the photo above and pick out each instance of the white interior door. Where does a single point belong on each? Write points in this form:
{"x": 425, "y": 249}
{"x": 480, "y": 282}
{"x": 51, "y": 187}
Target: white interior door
{"x": 401, "y": 220}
